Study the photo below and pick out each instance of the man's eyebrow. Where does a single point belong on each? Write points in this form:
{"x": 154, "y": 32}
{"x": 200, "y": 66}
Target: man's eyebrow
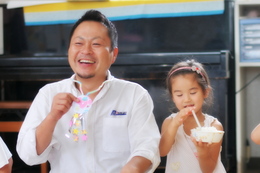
{"x": 94, "y": 38}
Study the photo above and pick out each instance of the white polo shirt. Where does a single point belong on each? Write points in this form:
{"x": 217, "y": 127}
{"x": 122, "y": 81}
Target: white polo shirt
{"x": 120, "y": 125}
{"x": 5, "y": 154}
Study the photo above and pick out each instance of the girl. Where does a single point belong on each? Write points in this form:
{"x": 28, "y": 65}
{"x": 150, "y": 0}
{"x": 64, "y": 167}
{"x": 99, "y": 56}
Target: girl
{"x": 6, "y": 161}
{"x": 255, "y": 134}
{"x": 189, "y": 86}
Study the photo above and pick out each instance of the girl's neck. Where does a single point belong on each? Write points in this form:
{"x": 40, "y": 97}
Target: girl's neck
{"x": 190, "y": 121}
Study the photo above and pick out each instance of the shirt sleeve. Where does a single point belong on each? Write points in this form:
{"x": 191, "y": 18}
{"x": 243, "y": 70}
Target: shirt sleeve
{"x": 5, "y": 154}
{"x": 26, "y": 143}
{"x": 144, "y": 131}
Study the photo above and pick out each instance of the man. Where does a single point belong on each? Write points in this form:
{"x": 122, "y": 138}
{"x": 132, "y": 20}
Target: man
{"x": 91, "y": 122}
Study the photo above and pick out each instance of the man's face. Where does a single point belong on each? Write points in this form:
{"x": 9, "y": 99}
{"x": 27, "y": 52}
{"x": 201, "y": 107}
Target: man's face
{"x": 90, "y": 53}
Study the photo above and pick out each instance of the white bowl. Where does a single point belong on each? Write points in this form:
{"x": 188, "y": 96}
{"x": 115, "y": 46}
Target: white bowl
{"x": 207, "y": 134}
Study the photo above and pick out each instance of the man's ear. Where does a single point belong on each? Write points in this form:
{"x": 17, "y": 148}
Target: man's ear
{"x": 115, "y": 53}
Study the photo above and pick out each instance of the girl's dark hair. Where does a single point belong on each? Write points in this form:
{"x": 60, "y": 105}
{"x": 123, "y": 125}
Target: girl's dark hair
{"x": 94, "y": 15}
{"x": 191, "y": 67}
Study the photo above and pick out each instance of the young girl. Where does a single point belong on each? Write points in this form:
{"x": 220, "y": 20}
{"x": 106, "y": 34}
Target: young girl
{"x": 255, "y": 134}
{"x": 189, "y": 87}
{"x": 6, "y": 161}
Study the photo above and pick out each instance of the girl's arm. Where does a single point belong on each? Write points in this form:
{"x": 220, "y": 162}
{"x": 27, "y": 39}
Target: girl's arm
{"x": 169, "y": 130}
{"x": 168, "y": 134}
{"x": 255, "y": 135}
{"x": 8, "y": 167}
{"x": 208, "y": 153}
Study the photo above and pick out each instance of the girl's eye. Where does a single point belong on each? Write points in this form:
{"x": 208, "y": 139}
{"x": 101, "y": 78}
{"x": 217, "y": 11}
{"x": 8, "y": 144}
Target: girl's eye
{"x": 179, "y": 95}
{"x": 193, "y": 93}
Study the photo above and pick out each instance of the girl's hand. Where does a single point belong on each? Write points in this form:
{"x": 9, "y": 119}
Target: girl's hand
{"x": 202, "y": 147}
{"x": 169, "y": 129}
{"x": 182, "y": 115}
{"x": 208, "y": 153}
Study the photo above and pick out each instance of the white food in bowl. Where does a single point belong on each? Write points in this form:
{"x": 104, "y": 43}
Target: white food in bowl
{"x": 207, "y": 134}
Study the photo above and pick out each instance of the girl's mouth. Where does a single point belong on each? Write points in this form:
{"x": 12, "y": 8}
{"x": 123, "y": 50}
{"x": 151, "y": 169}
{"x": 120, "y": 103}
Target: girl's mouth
{"x": 188, "y": 106}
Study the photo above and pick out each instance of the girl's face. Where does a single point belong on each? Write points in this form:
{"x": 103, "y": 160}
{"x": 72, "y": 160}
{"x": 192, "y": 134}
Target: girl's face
{"x": 186, "y": 92}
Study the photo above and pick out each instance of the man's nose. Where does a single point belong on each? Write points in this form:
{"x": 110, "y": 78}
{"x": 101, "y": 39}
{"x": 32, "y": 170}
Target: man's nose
{"x": 87, "y": 49}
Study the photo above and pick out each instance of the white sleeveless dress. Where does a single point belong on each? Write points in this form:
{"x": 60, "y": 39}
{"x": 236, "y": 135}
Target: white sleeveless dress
{"x": 182, "y": 156}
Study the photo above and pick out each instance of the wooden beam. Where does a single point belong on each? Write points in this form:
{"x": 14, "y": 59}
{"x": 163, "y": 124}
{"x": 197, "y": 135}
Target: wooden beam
{"x": 15, "y": 104}
{"x": 10, "y": 126}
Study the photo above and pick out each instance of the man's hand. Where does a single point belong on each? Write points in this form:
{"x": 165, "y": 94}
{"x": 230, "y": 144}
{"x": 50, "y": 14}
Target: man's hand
{"x": 61, "y": 104}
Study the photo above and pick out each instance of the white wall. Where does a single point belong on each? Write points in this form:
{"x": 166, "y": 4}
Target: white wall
{"x": 252, "y": 106}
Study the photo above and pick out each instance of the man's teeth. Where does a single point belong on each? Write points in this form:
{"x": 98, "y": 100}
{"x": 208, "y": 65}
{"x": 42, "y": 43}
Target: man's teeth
{"x": 86, "y": 61}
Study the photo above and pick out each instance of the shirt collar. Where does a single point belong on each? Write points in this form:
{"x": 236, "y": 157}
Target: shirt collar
{"x": 109, "y": 76}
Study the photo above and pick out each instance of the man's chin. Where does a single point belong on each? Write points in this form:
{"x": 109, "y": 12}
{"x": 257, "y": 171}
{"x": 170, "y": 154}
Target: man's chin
{"x": 85, "y": 76}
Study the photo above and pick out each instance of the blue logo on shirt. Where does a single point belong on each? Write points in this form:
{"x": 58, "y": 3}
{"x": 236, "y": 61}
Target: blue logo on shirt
{"x": 115, "y": 113}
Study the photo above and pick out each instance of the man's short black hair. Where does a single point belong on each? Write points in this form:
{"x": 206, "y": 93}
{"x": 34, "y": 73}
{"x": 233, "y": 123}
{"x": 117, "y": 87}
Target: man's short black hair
{"x": 94, "y": 15}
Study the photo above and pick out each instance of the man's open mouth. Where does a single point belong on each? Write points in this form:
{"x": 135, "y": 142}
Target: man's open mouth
{"x": 83, "y": 61}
